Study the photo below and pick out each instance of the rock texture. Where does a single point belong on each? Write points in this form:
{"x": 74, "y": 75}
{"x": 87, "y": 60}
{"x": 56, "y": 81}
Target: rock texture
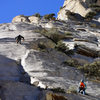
{"x": 76, "y": 6}
{"x": 37, "y": 67}
{"x": 92, "y": 1}
{"x": 26, "y": 19}
{"x": 34, "y": 19}
{"x": 20, "y": 18}
{"x": 51, "y": 96}
{"x": 21, "y": 66}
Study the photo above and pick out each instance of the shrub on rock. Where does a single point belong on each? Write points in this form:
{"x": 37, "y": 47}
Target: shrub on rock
{"x": 92, "y": 69}
{"x": 49, "y": 16}
{"x": 58, "y": 90}
{"x": 90, "y": 15}
{"x": 61, "y": 47}
{"x": 37, "y": 15}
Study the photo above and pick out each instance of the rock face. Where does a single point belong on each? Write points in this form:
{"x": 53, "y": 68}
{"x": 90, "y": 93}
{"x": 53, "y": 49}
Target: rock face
{"x": 26, "y": 72}
{"x": 76, "y": 6}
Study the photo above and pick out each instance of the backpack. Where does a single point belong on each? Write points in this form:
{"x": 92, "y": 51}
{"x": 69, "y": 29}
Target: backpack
{"x": 82, "y": 85}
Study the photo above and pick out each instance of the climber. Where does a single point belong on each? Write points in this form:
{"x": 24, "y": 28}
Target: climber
{"x": 19, "y": 38}
{"x": 82, "y": 87}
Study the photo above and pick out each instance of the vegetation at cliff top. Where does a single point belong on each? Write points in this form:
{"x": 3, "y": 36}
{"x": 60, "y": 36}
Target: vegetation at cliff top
{"x": 49, "y": 16}
{"x": 37, "y": 15}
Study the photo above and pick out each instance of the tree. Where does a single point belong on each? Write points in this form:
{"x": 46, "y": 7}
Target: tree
{"x": 37, "y": 15}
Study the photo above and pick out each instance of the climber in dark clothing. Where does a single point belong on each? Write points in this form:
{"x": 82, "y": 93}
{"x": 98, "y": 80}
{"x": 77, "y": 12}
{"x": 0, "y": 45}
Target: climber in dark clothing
{"x": 19, "y": 38}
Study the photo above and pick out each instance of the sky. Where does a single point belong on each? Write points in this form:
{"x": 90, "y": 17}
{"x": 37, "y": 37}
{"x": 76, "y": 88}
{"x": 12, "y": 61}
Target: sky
{"x": 11, "y": 8}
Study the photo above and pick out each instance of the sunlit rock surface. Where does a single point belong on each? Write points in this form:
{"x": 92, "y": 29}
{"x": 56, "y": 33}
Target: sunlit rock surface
{"x": 22, "y": 69}
{"x": 78, "y": 7}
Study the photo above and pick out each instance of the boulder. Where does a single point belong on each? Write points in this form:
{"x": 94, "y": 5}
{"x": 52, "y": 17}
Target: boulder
{"x": 34, "y": 19}
{"x": 20, "y": 18}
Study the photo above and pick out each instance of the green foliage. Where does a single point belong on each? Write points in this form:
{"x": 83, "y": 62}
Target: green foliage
{"x": 41, "y": 44}
{"x": 94, "y": 5}
{"x": 22, "y": 16}
{"x": 93, "y": 25}
{"x": 42, "y": 31}
{"x": 92, "y": 69}
{"x": 58, "y": 90}
{"x": 53, "y": 18}
{"x": 52, "y": 34}
{"x": 37, "y": 15}
{"x": 56, "y": 37}
{"x": 71, "y": 15}
{"x": 90, "y": 15}
{"x": 96, "y": 9}
{"x": 61, "y": 47}
{"x": 49, "y": 16}
{"x": 72, "y": 63}
{"x": 70, "y": 52}
{"x": 68, "y": 33}
{"x": 61, "y": 8}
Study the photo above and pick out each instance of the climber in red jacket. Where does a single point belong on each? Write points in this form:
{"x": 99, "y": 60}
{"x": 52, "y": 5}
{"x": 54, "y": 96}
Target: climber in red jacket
{"x": 82, "y": 87}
